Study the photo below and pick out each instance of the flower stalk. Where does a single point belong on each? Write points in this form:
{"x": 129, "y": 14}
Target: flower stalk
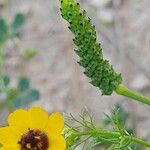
{"x": 122, "y": 90}
{"x": 113, "y": 134}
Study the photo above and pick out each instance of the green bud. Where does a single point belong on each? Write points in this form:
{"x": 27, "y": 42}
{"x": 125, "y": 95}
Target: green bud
{"x": 89, "y": 50}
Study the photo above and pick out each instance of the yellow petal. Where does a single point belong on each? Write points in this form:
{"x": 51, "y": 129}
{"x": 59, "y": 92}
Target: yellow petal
{"x": 9, "y": 148}
{"x": 58, "y": 143}
{"x": 19, "y": 121}
{"x": 38, "y": 118}
{"x": 8, "y": 138}
{"x": 55, "y": 124}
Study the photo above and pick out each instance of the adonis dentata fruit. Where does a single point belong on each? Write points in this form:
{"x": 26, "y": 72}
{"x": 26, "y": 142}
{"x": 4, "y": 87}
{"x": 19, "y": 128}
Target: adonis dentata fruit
{"x": 89, "y": 50}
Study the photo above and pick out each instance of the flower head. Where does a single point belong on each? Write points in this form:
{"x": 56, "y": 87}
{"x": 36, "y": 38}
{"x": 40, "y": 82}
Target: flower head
{"x": 33, "y": 130}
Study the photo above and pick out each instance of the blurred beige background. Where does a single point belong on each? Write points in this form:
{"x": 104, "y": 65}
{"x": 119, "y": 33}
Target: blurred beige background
{"x": 123, "y": 27}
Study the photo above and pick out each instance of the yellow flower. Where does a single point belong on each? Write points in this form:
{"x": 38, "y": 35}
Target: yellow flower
{"x": 33, "y": 130}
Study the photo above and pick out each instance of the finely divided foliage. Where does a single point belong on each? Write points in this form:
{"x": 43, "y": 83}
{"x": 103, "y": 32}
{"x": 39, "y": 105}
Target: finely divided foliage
{"x": 89, "y": 50}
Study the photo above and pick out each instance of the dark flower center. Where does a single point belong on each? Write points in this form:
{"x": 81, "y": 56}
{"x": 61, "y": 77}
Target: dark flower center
{"x": 34, "y": 140}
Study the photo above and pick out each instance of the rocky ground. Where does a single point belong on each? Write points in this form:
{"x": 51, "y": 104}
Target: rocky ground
{"x": 124, "y": 30}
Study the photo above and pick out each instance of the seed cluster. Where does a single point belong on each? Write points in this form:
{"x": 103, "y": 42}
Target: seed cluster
{"x": 89, "y": 50}
{"x": 34, "y": 140}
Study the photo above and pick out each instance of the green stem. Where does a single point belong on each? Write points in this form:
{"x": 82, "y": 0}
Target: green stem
{"x": 122, "y": 90}
{"x": 114, "y": 135}
{"x": 139, "y": 141}
{"x": 101, "y": 132}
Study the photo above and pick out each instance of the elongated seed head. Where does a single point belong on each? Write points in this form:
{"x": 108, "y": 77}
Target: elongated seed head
{"x": 88, "y": 49}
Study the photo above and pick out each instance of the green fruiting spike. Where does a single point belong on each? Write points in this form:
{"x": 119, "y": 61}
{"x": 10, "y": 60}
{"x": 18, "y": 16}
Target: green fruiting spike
{"x": 89, "y": 50}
